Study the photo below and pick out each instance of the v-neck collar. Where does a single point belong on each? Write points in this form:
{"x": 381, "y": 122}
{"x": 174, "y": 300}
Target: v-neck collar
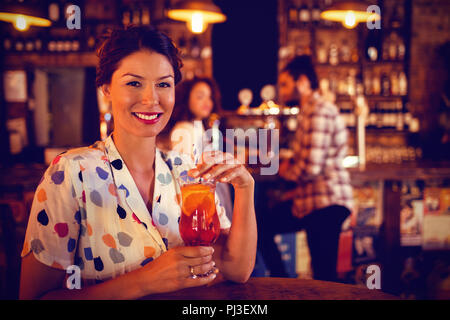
{"x": 127, "y": 188}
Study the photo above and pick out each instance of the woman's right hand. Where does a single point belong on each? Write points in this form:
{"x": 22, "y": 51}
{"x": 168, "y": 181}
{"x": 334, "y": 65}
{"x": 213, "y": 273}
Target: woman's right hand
{"x": 171, "y": 271}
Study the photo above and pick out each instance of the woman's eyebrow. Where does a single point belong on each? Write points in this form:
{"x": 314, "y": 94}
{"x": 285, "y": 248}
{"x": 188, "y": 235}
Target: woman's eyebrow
{"x": 133, "y": 75}
{"x": 164, "y": 77}
{"x": 141, "y": 77}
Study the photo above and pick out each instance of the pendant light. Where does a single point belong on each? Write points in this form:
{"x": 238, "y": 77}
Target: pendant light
{"x": 23, "y": 16}
{"x": 349, "y": 13}
{"x": 197, "y": 14}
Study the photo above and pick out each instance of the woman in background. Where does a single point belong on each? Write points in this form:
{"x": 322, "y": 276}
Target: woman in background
{"x": 197, "y": 107}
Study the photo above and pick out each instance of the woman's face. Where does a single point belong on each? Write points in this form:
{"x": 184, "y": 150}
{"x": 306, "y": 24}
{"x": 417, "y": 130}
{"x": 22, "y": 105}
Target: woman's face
{"x": 200, "y": 101}
{"x": 142, "y": 94}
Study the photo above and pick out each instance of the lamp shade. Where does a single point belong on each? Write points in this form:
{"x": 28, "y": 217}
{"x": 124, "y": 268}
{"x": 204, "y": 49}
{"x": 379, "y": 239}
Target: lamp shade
{"x": 23, "y": 16}
{"x": 197, "y": 14}
{"x": 349, "y": 13}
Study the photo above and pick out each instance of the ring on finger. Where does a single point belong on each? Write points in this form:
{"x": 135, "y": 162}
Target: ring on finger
{"x": 191, "y": 271}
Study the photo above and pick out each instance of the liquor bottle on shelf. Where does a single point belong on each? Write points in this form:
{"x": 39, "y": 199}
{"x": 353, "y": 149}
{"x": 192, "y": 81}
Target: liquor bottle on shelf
{"x": 321, "y": 52}
{"x": 54, "y": 11}
{"x": 136, "y": 18}
{"x": 29, "y": 45}
{"x": 315, "y": 13}
{"x": 399, "y": 114}
{"x": 333, "y": 54}
{"x": 402, "y": 84}
{"x": 304, "y": 15}
{"x": 7, "y": 44}
{"x": 345, "y": 52}
{"x": 145, "y": 16}
{"x": 393, "y": 44}
{"x": 376, "y": 83}
{"x": 19, "y": 45}
{"x": 126, "y": 18}
{"x": 394, "y": 83}
{"x": 368, "y": 83}
{"x": 293, "y": 15}
{"x": 385, "y": 85}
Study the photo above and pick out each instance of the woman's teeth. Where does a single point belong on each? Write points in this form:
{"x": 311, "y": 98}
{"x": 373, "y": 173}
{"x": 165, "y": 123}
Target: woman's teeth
{"x": 146, "y": 117}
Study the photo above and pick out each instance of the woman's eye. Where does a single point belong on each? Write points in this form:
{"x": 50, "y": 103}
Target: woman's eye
{"x": 164, "y": 85}
{"x": 134, "y": 84}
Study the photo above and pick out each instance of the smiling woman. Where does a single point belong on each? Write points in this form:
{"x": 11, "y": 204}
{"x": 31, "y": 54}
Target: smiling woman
{"x": 112, "y": 209}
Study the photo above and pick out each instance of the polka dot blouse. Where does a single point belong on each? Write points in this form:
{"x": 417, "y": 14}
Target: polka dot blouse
{"x": 87, "y": 211}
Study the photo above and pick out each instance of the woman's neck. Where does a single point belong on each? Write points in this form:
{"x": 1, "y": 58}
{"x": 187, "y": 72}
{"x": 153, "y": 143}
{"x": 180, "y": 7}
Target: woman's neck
{"x": 137, "y": 152}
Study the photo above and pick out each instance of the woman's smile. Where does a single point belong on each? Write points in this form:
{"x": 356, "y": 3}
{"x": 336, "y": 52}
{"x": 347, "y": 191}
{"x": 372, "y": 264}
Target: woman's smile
{"x": 147, "y": 117}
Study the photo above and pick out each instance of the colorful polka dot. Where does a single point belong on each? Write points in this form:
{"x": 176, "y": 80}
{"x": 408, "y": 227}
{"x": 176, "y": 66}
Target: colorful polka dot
{"x": 96, "y": 198}
{"x": 42, "y": 218}
{"x": 121, "y": 212}
{"x": 102, "y": 173}
{"x": 177, "y": 161}
{"x": 62, "y": 229}
{"x": 98, "y": 263}
{"x": 37, "y": 246}
{"x": 88, "y": 253}
{"x": 135, "y": 218}
{"x": 71, "y": 244}
{"x": 149, "y": 252}
{"x": 41, "y": 195}
{"x": 124, "y": 239}
{"x": 163, "y": 219}
{"x": 122, "y": 187}
{"x": 117, "y": 164}
{"x": 143, "y": 263}
{"x": 89, "y": 230}
{"x": 116, "y": 256}
{"x": 58, "y": 177}
{"x": 56, "y": 160}
{"x": 80, "y": 176}
{"x": 109, "y": 240}
{"x": 112, "y": 190}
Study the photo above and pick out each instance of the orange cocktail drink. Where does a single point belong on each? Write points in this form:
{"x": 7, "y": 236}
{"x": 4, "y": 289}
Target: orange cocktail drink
{"x": 199, "y": 222}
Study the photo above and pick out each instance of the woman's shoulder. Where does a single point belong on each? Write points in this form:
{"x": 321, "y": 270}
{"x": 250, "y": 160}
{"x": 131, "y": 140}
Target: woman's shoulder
{"x": 94, "y": 152}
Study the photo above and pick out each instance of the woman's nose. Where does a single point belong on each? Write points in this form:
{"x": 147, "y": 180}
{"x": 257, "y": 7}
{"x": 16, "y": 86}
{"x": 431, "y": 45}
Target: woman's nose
{"x": 150, "y": 97}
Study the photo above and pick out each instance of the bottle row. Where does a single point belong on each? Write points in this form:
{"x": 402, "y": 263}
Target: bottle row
{"x": 383, "y": 115}
{"x": 53, "y": 45}
{"x": 347, "y": 83}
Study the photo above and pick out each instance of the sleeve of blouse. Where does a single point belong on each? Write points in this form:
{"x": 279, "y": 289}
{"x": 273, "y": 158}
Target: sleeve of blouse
{"x": 54, "y": 222}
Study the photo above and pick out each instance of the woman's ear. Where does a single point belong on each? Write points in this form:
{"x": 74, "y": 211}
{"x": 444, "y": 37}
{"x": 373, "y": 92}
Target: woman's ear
{"x": 106, "y": 91}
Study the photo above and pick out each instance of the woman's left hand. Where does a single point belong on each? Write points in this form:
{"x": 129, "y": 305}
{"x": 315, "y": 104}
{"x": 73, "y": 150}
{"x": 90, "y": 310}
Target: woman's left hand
{"x": 223, "y": 167}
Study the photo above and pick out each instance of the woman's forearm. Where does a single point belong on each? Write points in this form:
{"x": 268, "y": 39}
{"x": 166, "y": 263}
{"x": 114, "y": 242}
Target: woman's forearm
{"x": 124, "y": 287}
{"x": 237, "y": 256}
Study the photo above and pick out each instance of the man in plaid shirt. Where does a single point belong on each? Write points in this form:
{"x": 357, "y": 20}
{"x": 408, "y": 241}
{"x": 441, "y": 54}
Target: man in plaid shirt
{"x": 323, "y": 196}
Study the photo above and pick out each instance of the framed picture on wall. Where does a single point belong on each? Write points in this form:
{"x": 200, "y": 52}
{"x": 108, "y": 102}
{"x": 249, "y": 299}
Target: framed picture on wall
{"x": 15, "y": 85}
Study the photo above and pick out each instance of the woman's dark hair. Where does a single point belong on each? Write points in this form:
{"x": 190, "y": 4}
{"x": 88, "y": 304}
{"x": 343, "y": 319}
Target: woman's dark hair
{"x": 181, "y": 111}
{"x": 303, "y": 65}
{"x": 122, "y": 42}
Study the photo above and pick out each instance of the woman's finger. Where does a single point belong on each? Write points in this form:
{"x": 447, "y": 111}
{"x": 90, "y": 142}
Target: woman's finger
{"x": 218, "y": 170}
{"x": 200, "y": 281}
{"x": 201, "y": 269}
{"x": 194, "y": 252}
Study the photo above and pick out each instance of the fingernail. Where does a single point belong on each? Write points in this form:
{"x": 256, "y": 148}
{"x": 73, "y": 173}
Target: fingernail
{"x": 207, "y": 176}
{"x": 224, "y": 179}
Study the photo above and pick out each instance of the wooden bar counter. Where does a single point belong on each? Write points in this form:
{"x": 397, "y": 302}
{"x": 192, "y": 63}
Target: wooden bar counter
{"x": 275, "y": 289}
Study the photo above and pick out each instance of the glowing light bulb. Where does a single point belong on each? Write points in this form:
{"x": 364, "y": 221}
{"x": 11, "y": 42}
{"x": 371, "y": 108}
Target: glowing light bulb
{"x": 197, "y": 24}
{"x": 350, "y": 20}
{"x": 21, "y": 23}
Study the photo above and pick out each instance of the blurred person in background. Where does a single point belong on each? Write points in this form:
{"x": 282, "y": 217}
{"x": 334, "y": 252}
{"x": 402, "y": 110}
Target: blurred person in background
{"x": 196, "y": 108}
{"x": 322, "y": 198}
